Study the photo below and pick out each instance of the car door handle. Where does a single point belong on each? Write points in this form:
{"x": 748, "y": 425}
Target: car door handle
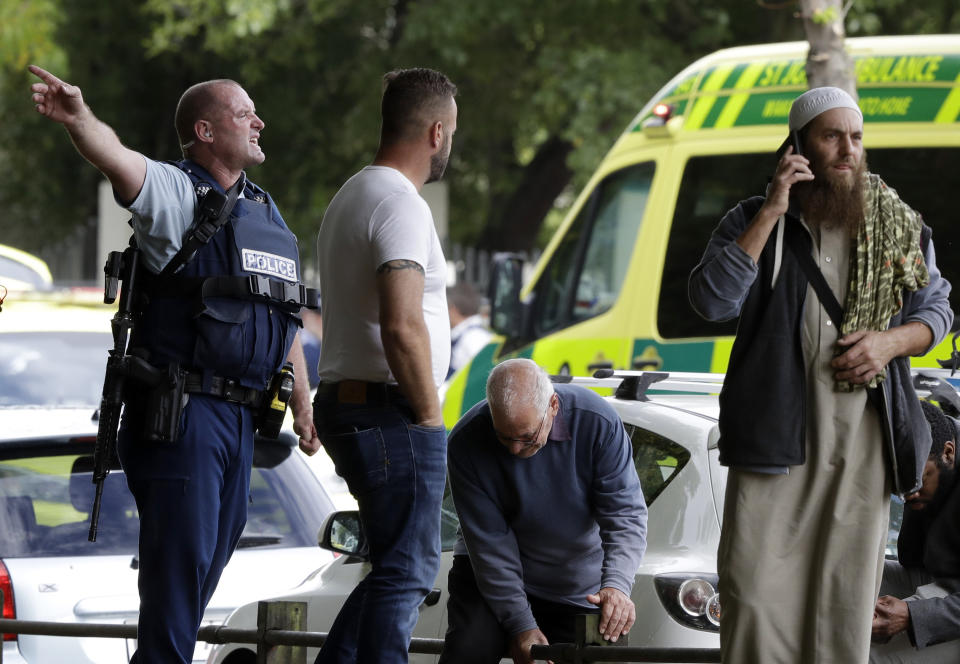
{"x": 432, "y": 597}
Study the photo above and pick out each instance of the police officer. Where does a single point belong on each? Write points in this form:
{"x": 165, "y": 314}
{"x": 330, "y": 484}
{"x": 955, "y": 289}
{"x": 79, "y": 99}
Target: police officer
{"x": 226, "y": 341}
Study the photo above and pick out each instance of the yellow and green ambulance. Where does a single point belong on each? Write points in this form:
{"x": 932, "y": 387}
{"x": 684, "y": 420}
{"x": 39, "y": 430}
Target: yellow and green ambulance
{"x": 610, "y": 290}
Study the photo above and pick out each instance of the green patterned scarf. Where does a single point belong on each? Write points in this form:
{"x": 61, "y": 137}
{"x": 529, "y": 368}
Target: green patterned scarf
{"x": 887, "y": 260}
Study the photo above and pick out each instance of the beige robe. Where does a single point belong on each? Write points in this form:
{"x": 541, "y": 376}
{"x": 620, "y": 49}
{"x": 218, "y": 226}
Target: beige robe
{"x": 801, "y": 554}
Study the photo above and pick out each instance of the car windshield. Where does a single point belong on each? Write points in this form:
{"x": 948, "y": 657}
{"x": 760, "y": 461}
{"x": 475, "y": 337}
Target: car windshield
{"x": 46, "y": 497}
{"x": 52, "y": 368}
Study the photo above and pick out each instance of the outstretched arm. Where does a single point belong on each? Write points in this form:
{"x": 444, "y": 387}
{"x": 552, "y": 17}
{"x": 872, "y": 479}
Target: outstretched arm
{"x": 94, "y": 140}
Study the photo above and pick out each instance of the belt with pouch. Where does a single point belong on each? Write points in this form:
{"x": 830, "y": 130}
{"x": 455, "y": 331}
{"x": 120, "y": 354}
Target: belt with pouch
{"x": 359, "y": 392}
{"x": 223, "y": 388}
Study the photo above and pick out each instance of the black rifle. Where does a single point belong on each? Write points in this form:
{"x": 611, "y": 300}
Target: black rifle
{"x": 120, "y": 267}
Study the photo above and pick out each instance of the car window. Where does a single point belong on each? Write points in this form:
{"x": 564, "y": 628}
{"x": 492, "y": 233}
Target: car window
{"x": 658, "y": 460}
{"x": 52, "y": 368}
{"x": 712, "y": 185}
{"x": 586, "y": 272}
{"x": 45, "y": 504}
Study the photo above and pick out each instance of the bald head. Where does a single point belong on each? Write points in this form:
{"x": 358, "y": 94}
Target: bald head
{"x": 517, "y": 386}
{"x": 200, "y": 101}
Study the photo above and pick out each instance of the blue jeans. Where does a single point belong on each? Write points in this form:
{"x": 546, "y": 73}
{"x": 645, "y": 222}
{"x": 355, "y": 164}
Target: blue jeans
{"x": 396, "y": 470}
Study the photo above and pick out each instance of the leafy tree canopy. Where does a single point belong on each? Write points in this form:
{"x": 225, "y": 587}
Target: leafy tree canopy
{"x": 544, "y": 89}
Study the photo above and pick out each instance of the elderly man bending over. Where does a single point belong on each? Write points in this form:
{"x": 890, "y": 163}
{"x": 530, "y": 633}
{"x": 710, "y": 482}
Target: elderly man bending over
{"x": 551, "y": 515}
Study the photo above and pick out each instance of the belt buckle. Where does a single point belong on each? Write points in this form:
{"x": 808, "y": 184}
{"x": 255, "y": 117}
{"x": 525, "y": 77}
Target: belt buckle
{"x": 352, "y": 391}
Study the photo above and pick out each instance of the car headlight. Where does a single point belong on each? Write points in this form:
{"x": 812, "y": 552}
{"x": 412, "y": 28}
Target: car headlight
{"x": 691, "y": 599}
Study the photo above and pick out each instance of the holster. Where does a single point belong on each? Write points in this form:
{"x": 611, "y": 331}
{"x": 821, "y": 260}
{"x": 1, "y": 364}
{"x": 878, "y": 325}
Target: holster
{"x": 163, "y": 408}
{"x": 160, "y": 396}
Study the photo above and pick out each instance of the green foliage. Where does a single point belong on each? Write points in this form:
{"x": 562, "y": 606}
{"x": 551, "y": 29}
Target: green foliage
{"x": 875, "y": 17}
{"x": 825, "y": 16}
{"x": 235, "y": 20}
{"x": 531, "y": 75}
{"x": 27, "y": 30}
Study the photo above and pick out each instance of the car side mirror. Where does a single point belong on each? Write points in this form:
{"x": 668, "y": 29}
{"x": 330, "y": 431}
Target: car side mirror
{"x": 342, "y": 532}
{"x": 506, "y": 280}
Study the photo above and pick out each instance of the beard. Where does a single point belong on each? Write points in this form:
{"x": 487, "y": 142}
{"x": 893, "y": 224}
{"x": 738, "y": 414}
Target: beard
{"x": 438, "y": 161}
{"x": 832, "y": 198}
{"x": 948, "y": 476}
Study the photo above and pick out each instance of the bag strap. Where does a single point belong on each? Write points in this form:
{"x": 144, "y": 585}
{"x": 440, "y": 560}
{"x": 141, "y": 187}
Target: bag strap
{"x": 827, "y": 298}
{"x": 213, "y": 211}
{"x": 815, "y": 277}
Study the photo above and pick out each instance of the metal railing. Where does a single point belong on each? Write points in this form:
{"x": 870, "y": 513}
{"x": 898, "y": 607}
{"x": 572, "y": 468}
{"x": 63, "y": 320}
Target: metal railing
{"x": 280, "y": 639}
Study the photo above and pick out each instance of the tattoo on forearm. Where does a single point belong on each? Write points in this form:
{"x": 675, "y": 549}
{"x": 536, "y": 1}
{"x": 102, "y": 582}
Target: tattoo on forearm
{"x": 403, "y": 264}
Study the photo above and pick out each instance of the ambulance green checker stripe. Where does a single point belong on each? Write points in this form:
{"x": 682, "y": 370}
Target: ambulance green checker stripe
{"x": 915, "y": 88}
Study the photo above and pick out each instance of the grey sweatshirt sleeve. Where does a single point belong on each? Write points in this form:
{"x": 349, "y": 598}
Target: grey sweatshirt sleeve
{"x": 930, "y": 305}
{"x": 719, "y": 285}
{"x": 620, "y": 509}
{"x": 490, "y": 542}
{"x": 935, "y": 620}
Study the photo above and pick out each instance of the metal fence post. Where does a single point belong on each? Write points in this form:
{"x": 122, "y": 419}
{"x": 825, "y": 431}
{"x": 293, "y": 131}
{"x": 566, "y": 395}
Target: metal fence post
{"x": 282, "y": 616}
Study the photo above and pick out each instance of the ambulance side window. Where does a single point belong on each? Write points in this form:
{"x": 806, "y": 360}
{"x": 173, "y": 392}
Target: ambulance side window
{"x": 710, "y": 186}
{"x": 924, "y": 178}
{"x": 586, "y": 272}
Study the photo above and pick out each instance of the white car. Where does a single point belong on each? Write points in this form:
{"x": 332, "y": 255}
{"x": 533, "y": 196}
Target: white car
{"x": 674, "y": 434}
{"x": 674, "y": 442}
{"x": 51, "y": 367}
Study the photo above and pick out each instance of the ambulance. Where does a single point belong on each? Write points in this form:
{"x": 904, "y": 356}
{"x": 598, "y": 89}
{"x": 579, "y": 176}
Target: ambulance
{"x": 610, "y": 290}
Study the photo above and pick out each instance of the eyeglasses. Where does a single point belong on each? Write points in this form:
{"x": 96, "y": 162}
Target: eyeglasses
{"x": 527, "y": 442}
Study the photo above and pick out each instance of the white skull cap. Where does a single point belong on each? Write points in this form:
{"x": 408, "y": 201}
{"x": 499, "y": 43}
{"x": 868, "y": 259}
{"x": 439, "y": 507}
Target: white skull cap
{"x": 814, "y": 102}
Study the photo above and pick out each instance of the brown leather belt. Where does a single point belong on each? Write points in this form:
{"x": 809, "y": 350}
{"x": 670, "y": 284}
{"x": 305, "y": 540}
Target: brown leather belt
{"x": 359, "y": 392}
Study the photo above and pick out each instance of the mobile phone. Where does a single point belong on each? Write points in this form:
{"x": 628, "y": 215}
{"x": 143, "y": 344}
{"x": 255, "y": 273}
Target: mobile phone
{"x": 795, "y": 137}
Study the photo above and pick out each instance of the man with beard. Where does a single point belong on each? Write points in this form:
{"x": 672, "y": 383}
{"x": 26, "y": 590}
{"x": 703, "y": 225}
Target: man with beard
{"x": 917, "y": 617}
{"x": 808, "y": 489}
{"x": 386, "y": 346}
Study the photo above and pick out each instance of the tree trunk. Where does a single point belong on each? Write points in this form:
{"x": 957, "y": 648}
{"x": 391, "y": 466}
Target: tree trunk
{"x": 827, "y": 62}
{"x": 518, "y": 221}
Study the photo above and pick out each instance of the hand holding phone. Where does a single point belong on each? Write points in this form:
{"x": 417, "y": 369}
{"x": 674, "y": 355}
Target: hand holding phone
{"x": 795, "y": 137}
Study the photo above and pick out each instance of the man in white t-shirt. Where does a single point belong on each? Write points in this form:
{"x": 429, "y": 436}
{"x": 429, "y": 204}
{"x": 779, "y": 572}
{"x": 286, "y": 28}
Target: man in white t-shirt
{"x": 386, "y": 347}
